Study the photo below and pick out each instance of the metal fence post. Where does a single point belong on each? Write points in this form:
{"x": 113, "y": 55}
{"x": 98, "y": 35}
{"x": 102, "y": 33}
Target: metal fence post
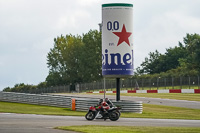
{"x": 198, "y": 83}
{"x": 150, "y": 83}
{"x": 93, "y": 86}
{"x": 142, "y": 84}
{"x": 157, "y": 83}
{"x": 189, "y": 82}
{"x": 181, "y": 82}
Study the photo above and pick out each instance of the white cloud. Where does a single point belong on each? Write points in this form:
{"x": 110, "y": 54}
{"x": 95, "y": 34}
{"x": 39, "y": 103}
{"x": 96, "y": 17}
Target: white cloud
{"x": 162, "y": 24}
{"x": 87, "y": 2}
{"x": 29, "y": 27}
{"x": 73, "y": 21}
{"x": 184, "y": 21}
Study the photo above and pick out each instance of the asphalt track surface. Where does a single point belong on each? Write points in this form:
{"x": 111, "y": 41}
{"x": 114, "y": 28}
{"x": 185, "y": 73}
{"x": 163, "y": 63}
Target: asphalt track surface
{"x": 156, "y": 101}
{"x": 29, "y": 123}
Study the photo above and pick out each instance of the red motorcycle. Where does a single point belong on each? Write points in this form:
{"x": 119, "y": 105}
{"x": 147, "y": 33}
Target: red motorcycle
{"x": 97, "y": 112}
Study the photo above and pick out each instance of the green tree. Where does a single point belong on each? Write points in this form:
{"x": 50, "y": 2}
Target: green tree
{"x": 7, "y": 89}
{"x": 75, "y": 59}
{"x": 192, "y": 43}
{"x": 150, "y": 65}
{"x": 63, "y": 60}
{"x": 91, "y": 57}
{"x": 42, "y": 85}
{"x": 170, "y": 60}
{"x": 24, "y": 88}
{"x": 180, "y": 60}
{"x": 157, "y": 63}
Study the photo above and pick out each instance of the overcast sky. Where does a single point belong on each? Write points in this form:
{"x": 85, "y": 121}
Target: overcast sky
{"x": 28, "y": 28}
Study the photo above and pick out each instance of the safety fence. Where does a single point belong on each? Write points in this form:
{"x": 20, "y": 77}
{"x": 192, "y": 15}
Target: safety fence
{"x": 156, "y": 83}
{"x": 82, "y": 104}
{"x": 152, "y": 91}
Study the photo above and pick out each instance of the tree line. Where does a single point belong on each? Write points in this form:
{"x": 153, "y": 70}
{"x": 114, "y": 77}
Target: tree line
{"x": 181, "y": 60}
{"x": 77, "y": 59}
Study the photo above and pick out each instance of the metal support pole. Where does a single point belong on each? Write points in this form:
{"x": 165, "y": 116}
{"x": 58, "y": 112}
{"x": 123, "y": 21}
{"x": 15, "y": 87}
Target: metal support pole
{"x": 111, "y": 84}
{"x": 117, "y": 89}
{"x": 104, "y": 86}
{"x": 131, "y": 84}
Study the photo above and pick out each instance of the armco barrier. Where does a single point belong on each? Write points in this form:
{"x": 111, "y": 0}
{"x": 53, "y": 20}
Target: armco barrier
{"x": 81, "y": 104}
{"x": 130, "y": 106}
{"x": 49, "y": 100}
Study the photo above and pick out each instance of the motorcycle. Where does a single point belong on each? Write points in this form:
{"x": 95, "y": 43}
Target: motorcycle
{"x": 96, "y": 112}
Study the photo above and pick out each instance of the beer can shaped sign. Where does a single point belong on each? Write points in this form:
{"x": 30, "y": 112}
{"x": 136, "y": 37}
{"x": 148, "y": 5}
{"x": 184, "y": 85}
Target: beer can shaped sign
{"x": 117, "y": 40}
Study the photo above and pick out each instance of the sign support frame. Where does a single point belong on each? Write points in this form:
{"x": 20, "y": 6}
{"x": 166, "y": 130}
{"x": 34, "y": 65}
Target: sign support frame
{"x": 117, "y": 89}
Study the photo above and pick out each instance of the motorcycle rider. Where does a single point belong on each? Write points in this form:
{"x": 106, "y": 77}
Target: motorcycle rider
{"x": 100, "y": 101}
{"x": 104, "y": 108}
{"x": 104, "y": 105}
{"x": 109, "y": 102}
{"x": 103, "y": 111}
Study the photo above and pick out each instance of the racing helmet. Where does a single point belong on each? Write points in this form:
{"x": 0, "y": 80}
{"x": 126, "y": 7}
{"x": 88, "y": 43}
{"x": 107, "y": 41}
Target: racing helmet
{"x": 104, "y": 104}
{"x": 100, "y": 101}
{"x": 106, "y": 99}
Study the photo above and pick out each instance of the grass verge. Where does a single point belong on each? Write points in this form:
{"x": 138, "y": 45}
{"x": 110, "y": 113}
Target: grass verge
{"x": 7, "y": 107}
{"x": 129, "y": 129}
{"x": 149, "y": 111}
{"x": 165, "y": 112}
{"x": 177, "y": 96}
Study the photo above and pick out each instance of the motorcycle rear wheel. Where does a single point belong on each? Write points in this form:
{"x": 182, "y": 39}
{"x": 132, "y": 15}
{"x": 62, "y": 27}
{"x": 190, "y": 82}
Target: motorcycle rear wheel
{"x": 114, "y": 116}
{"x": 90, "y": 116}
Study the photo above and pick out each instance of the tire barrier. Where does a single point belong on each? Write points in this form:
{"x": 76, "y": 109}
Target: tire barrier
{"x": 76, "y": 103}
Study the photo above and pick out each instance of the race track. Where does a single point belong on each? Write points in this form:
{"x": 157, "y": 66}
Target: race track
{"x": 156, "y": 101}
{"x": 29, "y": 123}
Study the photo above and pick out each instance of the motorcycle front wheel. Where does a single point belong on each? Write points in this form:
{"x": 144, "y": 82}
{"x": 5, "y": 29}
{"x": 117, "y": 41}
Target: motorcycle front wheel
{"x": 90, "y": 115}
{"x": 114, "y": 116}
{"x": 118, "y": 112}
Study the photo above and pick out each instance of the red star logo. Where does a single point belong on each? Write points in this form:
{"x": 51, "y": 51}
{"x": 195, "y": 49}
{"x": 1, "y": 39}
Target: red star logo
{"x": 123, "y": 36}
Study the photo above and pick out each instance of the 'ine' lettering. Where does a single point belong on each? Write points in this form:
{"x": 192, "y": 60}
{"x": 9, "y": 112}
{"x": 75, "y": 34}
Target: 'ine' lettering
{"x": 117, "y": 58}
